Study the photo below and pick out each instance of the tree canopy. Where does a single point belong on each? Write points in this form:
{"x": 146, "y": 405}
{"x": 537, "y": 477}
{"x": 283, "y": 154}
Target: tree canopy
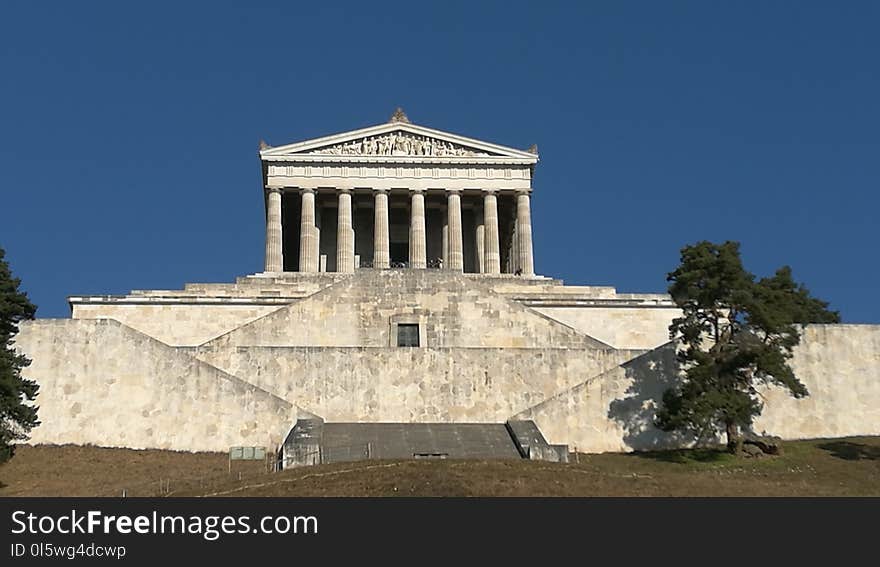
{"x": 735, "y": 334}
{"x": 17, "y": 415}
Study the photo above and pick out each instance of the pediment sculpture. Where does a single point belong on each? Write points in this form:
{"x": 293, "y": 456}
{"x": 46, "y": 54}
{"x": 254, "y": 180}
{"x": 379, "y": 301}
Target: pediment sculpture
{"x": 399, "y": 144}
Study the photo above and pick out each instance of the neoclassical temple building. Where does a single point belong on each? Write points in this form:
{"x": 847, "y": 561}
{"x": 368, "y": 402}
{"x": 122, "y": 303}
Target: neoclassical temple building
{"x": 399, "y": 315}
{"x": 398, "y": 195}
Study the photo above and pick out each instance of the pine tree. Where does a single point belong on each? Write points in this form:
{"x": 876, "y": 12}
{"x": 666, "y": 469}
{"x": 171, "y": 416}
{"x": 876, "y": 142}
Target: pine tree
{"x": 17, "y": 416}
{"x": 735, "y": 335}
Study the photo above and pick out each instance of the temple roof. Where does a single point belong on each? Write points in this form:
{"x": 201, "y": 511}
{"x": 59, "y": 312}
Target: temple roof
{"x": 398, "y": 138}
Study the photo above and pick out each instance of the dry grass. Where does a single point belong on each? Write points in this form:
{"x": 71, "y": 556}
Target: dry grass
{"x": 831, "y": 467}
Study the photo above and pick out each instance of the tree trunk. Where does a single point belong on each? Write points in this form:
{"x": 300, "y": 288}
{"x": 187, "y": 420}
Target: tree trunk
{"x": 734, "y": 441}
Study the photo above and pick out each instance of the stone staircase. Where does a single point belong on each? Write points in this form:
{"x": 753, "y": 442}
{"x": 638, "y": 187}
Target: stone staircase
{"x": 312, "y": 442}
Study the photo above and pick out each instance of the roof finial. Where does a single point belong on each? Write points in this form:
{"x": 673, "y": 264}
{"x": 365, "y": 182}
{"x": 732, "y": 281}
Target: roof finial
{"x": 399, "y": 116}
{"x": 264, "y": 145}
{"x": 533, "y": 149}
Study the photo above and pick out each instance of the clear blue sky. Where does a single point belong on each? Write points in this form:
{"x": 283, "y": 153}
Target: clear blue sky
{"x": 129, "y": 131}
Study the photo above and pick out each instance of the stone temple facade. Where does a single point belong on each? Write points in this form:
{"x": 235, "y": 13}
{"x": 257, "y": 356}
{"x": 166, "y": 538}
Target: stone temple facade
{"x": 399, "y": 314}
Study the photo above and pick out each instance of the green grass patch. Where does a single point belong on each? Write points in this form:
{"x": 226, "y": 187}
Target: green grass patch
{"x": 820, "y": 467}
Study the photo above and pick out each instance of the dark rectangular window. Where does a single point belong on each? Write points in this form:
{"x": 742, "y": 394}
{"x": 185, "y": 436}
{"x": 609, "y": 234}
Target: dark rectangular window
{"x": 408, "y": 334}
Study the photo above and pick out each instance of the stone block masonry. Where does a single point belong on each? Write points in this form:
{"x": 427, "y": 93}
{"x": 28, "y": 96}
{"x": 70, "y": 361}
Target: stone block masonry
{"x": 105, "y": 384}
{"x": 324, "y": 346}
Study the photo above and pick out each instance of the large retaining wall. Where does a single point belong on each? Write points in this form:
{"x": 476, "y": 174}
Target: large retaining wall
{"x": 202, "y": 311}
{"x": 486, "y": 358}
{"x": 413, "y": 384}
{"x": 612, "y": 411}
{"x": 453, "y": 310}
{"x": 459, "y": 310}
{"x": 105, "y": 384}
{"x": 620, "y": 327}
{"x": 178, "y": 325}
{"x": 839, "y": 364}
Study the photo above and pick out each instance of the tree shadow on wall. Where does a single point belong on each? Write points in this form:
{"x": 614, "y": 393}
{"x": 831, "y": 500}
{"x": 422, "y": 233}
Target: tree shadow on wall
{"x": 849, "y": 451}
{"x": 649, "y": 375}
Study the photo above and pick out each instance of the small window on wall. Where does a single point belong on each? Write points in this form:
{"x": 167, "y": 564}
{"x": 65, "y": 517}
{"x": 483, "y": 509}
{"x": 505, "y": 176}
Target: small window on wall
{"x": 408, "y": 334}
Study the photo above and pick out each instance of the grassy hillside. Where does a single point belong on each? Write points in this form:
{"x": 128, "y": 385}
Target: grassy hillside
{"x": 830, "y": 467}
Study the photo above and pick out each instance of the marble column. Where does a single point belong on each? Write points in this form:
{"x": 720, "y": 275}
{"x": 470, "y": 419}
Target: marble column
{"x": 417, "y": 245}
{"x": 456, "y": 254}
{"x": 480, "y": 241}
{"x": 381, "y": 248}
{"x": 344, "y": 234}
{"x": 308, "y": 249}
{"x": 524, "y": 234}
{"x": 274, "y": 255}
{"x": 492, "y": 262}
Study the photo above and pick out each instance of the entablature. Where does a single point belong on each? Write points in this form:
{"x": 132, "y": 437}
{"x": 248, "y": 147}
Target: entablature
{"x": 392, "y": 177}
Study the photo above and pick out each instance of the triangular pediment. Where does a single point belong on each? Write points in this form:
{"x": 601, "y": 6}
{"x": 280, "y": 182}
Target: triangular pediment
{"x": 396, "y": 140}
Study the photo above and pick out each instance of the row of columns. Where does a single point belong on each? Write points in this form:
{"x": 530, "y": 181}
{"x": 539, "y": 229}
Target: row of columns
{"x": 487, "y": 237}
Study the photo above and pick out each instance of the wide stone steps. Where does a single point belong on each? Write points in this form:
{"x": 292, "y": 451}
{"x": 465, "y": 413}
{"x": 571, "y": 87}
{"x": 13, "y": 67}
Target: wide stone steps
{"x": 312, "y": 441}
